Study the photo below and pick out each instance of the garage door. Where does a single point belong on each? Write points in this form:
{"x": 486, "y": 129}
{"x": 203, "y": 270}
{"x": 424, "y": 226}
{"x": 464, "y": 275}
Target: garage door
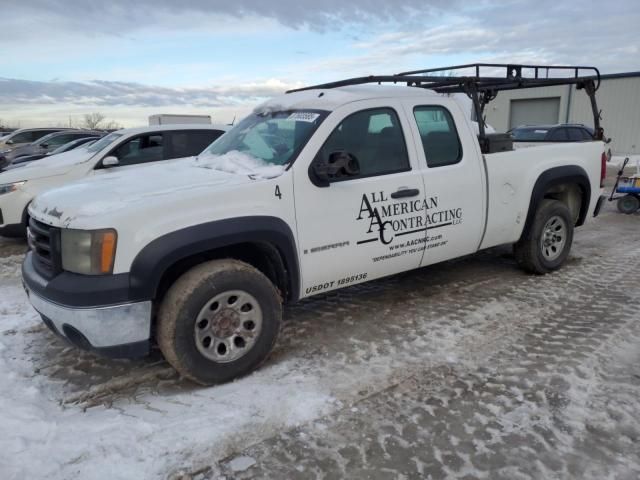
{"x": 534, "y": 111}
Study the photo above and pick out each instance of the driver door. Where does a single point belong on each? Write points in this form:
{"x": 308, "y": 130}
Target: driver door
{"x": 367, "y": 225}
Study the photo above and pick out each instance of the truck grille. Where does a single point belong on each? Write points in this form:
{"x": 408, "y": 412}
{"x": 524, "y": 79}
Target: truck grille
{"x": 44, "y": 242}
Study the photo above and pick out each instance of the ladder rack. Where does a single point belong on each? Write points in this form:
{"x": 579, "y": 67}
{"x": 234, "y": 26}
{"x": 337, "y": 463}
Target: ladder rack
{"x": 482, "y": 86}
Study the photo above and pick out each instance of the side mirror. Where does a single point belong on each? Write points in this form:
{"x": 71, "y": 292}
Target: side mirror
{"x": 110, "y": 161}
{"x": 9, "y": 142}
{"x": 44, "y": 145}
{"x": 341, "y": 164}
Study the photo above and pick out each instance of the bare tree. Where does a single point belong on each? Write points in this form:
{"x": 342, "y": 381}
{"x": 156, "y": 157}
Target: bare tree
{"x": 13, "y": 125}
{"x": 112, "y": 125}
{"x": 93, "y": 120}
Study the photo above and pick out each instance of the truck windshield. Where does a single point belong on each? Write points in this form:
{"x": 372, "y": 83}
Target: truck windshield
{"x": 272, "y": 138}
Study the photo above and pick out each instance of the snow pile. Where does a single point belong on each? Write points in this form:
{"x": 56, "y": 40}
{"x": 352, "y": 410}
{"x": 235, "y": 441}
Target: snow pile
{"x": 269, "y": 108}
{"x": 240, "y": 163}
{"x": 10, "y": 267}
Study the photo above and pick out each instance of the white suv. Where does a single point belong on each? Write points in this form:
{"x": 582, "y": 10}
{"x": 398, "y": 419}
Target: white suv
{"x": 117, "y": 151}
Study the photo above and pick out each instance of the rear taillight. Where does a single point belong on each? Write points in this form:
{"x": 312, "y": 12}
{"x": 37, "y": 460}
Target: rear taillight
{"x": 603, "y": 169}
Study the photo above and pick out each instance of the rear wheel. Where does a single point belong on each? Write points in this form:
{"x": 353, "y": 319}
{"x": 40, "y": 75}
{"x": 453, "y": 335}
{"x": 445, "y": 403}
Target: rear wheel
{"x": 219, "y": 321}
{"x": 628, "y": 204}
{"x": 546, "y": 245}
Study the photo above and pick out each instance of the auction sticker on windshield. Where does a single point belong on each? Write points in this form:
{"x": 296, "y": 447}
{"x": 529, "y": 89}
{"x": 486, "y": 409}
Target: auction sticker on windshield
{"x": 304, "y": 117}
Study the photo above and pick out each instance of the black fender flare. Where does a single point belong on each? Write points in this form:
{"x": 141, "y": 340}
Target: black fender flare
{"x": 556, "y": 176}
{"x": 157, "y": 257}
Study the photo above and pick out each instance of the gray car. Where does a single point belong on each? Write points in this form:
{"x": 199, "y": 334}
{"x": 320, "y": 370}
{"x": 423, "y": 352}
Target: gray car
{"x": 24, "y": 136}
{"x": 44, "y": 145}
{"x": 25, "y": 159}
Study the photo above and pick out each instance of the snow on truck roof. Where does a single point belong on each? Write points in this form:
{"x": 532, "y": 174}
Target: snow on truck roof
{"x": 332, "y": 98}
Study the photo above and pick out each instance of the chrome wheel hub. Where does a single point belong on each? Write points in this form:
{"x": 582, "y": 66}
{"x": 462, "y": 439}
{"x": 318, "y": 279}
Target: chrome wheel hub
{"x": 554, "y": 238}
{"x": 228, "y": 326}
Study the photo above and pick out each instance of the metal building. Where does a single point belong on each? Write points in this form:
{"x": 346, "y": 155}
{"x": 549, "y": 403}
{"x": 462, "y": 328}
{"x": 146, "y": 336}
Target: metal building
{"x": 618, "y": 99}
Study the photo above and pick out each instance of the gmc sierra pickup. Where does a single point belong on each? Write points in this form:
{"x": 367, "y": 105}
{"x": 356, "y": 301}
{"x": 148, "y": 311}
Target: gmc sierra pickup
{"x": 316, "y": 190}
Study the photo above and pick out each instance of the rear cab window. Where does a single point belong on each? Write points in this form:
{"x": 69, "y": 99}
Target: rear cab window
{"x": 439, "y": 136}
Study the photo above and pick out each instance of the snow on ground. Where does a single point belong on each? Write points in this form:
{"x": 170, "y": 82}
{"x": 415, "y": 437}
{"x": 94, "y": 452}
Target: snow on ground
{"x": 147, "y": 436}
{"x": 509, "y": 365}
{"x": 67, "y": 431}
{"x": 43, "y": 439}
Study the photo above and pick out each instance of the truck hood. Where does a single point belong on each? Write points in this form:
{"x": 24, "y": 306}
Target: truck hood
{"x": 47, "y": 167}
{"x": 111, "y": 191}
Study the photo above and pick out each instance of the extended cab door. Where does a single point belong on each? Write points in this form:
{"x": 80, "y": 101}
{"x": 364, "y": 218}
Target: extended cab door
{"x": 454, "y": 178}
{"x": 367, "y": 225}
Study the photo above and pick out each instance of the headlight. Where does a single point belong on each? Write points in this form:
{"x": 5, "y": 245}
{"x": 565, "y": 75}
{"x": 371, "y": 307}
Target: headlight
{"x": 10, "y": 187}
{"x": 6, "y": 150}
{"x": 89, "y": 252}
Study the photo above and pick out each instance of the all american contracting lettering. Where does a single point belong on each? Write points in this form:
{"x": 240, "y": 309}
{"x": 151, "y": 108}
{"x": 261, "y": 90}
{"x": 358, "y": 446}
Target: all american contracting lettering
{"x": 417, "y": 216}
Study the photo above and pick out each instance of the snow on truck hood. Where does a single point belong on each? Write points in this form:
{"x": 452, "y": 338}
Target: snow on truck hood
{"x": 113, "y": 191}
{"x": 240, "y": 163}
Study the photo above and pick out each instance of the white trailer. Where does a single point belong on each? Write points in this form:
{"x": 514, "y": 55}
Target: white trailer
{"x": 170, "y": 119}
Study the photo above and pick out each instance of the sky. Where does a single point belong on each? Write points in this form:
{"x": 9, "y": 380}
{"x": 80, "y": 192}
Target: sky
{"x": 129, "y": 59}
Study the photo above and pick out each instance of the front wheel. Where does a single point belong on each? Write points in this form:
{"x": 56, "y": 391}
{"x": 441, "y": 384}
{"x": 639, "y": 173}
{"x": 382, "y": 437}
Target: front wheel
{"x": 546, "y": 245}
{"x": 219, "y": 321}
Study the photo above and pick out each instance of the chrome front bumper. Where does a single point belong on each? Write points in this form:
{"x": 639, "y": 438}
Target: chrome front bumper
{"x": 115, "y": 331}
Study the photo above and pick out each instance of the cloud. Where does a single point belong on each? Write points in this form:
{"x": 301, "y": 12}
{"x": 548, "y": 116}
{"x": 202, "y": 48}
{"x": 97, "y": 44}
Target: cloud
{"x": 113, "y": 40}
{"x": 554, "y": 33}
{"x": 100, "y": 93}
{"x": 590, "y": 32}
{"x": 118, "y": 17}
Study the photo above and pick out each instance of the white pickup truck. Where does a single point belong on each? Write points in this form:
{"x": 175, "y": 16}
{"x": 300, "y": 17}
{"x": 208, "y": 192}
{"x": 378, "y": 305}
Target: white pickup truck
{"x": 314, "y": 191}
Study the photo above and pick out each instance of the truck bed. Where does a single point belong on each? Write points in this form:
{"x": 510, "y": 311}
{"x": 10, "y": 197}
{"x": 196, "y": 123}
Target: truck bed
{"x": 511, "y": 177}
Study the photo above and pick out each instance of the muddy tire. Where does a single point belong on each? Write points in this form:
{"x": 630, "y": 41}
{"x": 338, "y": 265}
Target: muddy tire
{"x": 219, "y": 321}
{"x": 547, "y": 243}
{"x": 628, "y": 204}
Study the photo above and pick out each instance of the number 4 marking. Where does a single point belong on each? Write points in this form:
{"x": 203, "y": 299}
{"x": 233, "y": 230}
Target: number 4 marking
{"x": 278, "y": 194}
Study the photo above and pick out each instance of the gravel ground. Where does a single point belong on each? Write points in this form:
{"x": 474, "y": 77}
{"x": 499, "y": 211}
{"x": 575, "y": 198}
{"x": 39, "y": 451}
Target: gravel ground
{"x": 467, "y": 369}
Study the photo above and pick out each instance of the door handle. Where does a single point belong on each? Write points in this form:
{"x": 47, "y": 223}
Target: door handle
{"x": 405, "y": 192}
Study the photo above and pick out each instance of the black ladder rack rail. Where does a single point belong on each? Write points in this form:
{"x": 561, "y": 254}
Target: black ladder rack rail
{"x": 483, "y": 89}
